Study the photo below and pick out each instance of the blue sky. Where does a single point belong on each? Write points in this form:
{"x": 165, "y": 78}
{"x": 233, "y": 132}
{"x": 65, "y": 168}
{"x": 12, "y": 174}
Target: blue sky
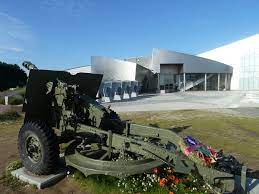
{"x": 60, "y": 34}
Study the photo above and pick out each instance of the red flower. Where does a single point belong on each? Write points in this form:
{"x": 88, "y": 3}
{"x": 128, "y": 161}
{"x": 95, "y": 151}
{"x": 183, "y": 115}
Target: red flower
{"x": 155, "y": 170}
{"x": 171, "y": 177}
{"x": 177, "y": 180}
{"x": 171, "y": 192}
{"x": 162, "y": 182}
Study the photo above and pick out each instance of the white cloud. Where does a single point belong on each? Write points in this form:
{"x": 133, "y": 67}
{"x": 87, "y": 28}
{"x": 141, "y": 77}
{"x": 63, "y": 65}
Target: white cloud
{"x": 10, "y": 18}
{"x": 15, "y": 35}
{"x": 12, "y": 49}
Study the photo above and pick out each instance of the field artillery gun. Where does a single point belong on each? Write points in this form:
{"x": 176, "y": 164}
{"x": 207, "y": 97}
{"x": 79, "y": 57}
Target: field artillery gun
{"x": 99, "y": 142}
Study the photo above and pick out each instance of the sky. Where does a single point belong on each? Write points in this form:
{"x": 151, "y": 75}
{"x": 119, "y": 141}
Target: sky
{"x": 62, "y": 34}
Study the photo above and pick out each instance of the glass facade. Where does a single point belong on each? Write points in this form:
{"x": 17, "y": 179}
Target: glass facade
{"x": 168, "y": 82}
{"x": 212, "y": 82}
{"x": 192, "y": 78}
{"x": 172, "y": 79}
{"x": 249, "y": 71}
{"x": 194, "y": 82}
{"x": 169, "y": 77}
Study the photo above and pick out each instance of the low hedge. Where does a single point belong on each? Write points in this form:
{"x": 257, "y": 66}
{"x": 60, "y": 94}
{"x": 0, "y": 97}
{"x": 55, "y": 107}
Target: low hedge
{"x": 15, "y": 100}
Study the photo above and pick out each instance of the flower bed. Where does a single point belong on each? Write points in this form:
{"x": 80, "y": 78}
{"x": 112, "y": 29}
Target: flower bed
{"x": 166, "y": 178}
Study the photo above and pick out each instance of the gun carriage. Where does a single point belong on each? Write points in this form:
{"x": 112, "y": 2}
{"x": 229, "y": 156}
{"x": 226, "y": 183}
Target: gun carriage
{"x": 99, "y": 141}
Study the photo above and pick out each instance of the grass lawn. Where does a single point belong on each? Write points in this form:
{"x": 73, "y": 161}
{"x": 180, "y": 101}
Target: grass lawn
{"x": 234, "y": 134}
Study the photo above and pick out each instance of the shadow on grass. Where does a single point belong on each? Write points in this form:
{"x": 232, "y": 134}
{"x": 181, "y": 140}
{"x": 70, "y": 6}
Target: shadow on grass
{"x": 180, "y": 129}
{"x": 176, "y": 129}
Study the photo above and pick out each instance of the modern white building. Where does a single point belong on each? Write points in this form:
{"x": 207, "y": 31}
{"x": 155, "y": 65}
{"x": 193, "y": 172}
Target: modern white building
{"x": 161, "y": 71}
{"x": 243, "y": 56}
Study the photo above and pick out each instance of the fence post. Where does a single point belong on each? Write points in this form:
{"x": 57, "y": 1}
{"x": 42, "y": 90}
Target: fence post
{"x": 6, "y": 100}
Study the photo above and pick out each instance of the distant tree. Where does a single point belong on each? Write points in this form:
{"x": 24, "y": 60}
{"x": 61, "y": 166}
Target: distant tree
{"x": 11, "y": 76}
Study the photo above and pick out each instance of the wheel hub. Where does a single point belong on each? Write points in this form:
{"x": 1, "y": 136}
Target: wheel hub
{"x": 33, "y": 148}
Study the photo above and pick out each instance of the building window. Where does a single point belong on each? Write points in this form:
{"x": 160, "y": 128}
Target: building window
{"x": 249, "y": 71}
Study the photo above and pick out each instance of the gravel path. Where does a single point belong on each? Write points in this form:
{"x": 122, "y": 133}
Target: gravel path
{"x": 4, "y": 108}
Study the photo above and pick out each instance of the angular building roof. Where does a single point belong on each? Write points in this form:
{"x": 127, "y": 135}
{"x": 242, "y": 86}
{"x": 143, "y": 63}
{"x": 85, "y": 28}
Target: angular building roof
{"x": 191, "y": 63}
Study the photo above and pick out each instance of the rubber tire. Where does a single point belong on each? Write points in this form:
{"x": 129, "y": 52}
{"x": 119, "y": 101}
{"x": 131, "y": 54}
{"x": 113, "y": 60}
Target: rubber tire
{"x": 49, "y": 148}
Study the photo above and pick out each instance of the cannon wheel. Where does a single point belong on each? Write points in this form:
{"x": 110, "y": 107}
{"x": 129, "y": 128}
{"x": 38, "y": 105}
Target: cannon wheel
{"x": 38, "y": 147}
{"x": 89, "y": 162}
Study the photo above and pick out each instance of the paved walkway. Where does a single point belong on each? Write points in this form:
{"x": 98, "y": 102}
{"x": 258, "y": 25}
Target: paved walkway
{"x": 190, "y": 100}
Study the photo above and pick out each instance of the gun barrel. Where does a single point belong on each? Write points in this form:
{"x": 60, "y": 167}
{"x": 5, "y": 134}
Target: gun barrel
{"x": 28, "y": 65}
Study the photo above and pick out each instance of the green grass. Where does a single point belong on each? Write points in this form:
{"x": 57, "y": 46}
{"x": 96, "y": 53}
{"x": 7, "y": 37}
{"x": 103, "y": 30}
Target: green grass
{"x": 234, "y": 134}
{"x": 96, "y": 184}
{"x": 8, "y": 180}
{"x": 9, "y": 116}
{"x": 222, "y": 131}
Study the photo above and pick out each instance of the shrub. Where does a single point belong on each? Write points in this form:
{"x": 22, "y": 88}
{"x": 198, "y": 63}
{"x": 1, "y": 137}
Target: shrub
{"x": 10, "y": 115}
{"x": 14, "y": 165}
{"x": 20, "y": 91}
{"x": 11, "y": 76}
{"x": 15, "y": 100}
{"x": 2, "y": 100}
